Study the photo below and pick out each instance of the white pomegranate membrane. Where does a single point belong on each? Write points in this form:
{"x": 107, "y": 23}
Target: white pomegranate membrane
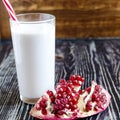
{"x": 68, "y": 102}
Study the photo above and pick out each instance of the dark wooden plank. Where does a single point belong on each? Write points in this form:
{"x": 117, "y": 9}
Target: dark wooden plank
{"x": 97, "y": 60}
{"x": 5, "y": 48}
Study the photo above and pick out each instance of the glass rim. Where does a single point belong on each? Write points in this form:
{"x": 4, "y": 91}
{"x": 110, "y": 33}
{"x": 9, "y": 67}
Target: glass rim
{"x": 34, "y": 21}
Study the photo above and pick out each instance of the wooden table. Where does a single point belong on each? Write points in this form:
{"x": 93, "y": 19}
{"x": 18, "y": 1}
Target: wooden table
{"x": 94, "y": 59}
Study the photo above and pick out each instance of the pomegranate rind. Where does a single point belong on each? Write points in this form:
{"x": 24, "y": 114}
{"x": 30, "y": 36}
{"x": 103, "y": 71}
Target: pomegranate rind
{"x": 35, "y": 113}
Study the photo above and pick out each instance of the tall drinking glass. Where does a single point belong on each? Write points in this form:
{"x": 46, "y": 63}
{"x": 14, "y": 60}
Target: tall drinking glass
{"x": 33, "y": 37}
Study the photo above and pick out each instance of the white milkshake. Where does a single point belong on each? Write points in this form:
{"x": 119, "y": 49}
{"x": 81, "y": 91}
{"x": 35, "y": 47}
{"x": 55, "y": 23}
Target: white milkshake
{"x": 34, "y": 48}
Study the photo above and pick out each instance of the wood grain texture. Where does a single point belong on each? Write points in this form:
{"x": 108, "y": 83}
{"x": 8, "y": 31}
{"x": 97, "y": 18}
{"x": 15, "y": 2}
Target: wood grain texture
{"x": 94, "y": 59}
{"x": 4, "y": 22}
{"x": 75, "y": 18}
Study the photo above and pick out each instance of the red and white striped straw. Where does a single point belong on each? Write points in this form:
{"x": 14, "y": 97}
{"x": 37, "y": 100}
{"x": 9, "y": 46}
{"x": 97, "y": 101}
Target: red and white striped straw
{"x": 10, "y": 10}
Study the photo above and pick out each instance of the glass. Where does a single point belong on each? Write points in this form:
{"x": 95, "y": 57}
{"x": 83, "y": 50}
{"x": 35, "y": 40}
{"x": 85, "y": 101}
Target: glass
{"x": 33, "y": 40}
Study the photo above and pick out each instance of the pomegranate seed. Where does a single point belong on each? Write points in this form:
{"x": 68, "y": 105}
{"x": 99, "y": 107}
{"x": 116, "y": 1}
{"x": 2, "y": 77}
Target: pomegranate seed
{"x": 97, "y": 99}
{"x": 50, "y": 93}
{"x": 89, "y": 106}
{"x": 68, "y": 91}
{"x": 72, "y": 95}
{"x": 57, "y": 101}
{"x": 66, "y": 100}
{"x": 75, "y": 82}
{"x": 94, "y": 96}
{"x": 77, "y": 96}
{"x": 103, "y": 96}
{"x": 59, "y": 96}
{"x": 99, "y": 105}
{"x": 61, "y": 106}
{"x": 52, "y": 98}
{"x": 78, "y": 77}
{"x": 72, "y": 77}
{"x": 64, "y": 95}
{"x": 80, "y": 83}
{"x": 80, "y": 91}
{"x": 74, "y": 101}
{"x": 73, "y": 107}
{"x": 74, "y": 114}
{"x": 38, "y": 107}
{"x": 82, "y": 79}
{"x": 44, "y": 111}
{"x": 67, "y": 106}
{"x": 63, "y": 88}
{"x": 88, "y": 90}
{"x": 70, "y": 103}
{"x": 62, "y": 81}
{"x": 59, "y": 91}
{"x": 43, "y": 104}
{"x": 103, "y": 101}
{"x": 55, "y": 107}
{"x": 98, "y": 88}
{"x": 44, "y": 99}
{"x": 62, "y": 100}
{"x": 71, "y": 85}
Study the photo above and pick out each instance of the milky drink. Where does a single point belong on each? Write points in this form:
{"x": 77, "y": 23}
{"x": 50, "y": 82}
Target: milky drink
{"x": 34, "y": 48}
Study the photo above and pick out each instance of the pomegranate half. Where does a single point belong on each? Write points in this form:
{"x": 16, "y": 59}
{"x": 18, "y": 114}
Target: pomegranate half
{"x": 69, "y": 102}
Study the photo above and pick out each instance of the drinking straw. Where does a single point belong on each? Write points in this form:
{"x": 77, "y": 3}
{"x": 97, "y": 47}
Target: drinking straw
{"x": 10, "y": 10}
